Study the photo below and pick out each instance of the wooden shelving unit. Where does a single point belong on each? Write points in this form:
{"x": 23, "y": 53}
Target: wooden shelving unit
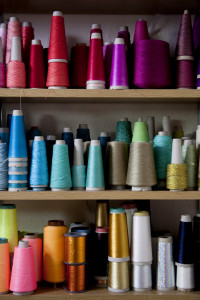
{"x": 100, "y": 195}
{"x": 99, "y": 96}
{"x": 102, "y": 294}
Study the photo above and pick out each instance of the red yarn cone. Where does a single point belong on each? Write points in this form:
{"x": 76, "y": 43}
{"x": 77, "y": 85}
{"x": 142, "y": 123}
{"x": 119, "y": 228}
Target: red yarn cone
{"x": 57, "y": 76}
{"x": 36, "y": 67}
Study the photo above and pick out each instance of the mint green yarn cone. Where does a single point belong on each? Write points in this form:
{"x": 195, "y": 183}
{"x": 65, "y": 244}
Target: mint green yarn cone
{"x": 95, "y": 171}
{"x": 60, "y": 169}
{"x": 140, "y": 132}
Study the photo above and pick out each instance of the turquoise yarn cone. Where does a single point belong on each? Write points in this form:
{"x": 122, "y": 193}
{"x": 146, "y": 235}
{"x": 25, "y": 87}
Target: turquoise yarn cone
{"x": 95, "y": 171}
{"x": 60, "y": 169}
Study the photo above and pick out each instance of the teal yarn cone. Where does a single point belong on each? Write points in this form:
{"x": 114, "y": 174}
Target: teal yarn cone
{"x": 95, "y": 171}
{"x": 123, "y": 131}
{"x": 140, "y": 132}
{"x": 39, "y": 178}
{"x": 60, "y": 169}
{"x": 162, "y": 148}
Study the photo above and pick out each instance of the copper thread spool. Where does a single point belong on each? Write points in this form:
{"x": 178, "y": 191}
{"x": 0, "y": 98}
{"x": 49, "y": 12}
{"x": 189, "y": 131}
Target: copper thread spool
{"x": 75, "y": 245}
{"x": 102, "y": 213}
{"x": 75, "y": 278}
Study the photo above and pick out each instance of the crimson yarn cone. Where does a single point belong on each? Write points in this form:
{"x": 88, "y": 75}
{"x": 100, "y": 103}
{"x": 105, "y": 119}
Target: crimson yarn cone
{"x": 57, "y": 43}
{"x": 36, "y": 66}
{"x": 141, "y": 31}
{"x": 95, "y": 72}
{"x": 27, "y": 37}
{"x": 79, "y": 62}
{"x": 119, "y": 73}
{"x": 96, "y": 28}
{"x": 23, "y": 280}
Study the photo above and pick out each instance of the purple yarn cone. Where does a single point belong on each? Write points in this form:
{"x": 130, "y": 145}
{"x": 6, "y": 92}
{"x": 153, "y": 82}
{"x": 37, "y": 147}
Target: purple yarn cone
{"x": 198, "y": 74}
{"x": 141, "y": 31}
{"x": 151, "y": 64}
{"x": 119, "y": 73}
{"x": 196, "y": 32}
{"x": 124, "y": 34}
{"x": 107, "y": 55}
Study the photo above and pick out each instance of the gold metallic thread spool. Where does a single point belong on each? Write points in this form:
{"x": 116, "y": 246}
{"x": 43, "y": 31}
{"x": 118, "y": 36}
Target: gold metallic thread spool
{"x": 177, "y": 177}
{"x": 118, "y": 276}
{"x": 116, "y": 164}
{"x": 75, "y": 248}
{"x": 101, "y": 217}
{"x": 118, "y": 245}
{"x": 141, "y": 173}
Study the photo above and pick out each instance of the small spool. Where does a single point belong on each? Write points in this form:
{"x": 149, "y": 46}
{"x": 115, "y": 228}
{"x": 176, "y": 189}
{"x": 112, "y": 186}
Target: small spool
{"x": 141, "y": 280}
{"x": 185, "y": 277}
{"x": 75, "y": 248}
{"x": 75, "y": 278}
{"x": 118, "y": 276}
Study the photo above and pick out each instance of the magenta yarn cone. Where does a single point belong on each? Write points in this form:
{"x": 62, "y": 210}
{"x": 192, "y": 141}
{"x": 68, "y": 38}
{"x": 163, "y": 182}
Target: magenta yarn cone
{"x": 119, "y": 73}
{"x": 141, "y": 31}
{"x": 124, "y": 33}
{"x": 107, "y": 55}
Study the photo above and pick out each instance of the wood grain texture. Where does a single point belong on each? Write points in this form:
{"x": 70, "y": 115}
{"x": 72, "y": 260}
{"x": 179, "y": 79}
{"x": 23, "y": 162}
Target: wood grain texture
{"x": 99, "y": 96}
{"x": 99, "y": 195}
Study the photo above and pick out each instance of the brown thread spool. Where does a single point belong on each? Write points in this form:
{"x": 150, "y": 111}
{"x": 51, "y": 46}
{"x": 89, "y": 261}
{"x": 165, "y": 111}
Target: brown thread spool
{"x": 75, "y": 246}
{"x": 141, "y": 173}
{"x": 102, "y": 211}
{"x": 116, "y": 164}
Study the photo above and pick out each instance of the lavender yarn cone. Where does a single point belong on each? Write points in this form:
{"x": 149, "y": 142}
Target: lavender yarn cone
{"x": 119, "y": 73}
{"x": 107, "y": 56}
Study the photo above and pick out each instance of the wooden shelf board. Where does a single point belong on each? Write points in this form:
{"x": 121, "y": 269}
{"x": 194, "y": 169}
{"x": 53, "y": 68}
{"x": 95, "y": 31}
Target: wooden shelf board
{"x": 100, "y": 7}
{"x": 101, "y": 294}
{"x": 99, "y": 96}
{"x": 99, "y": 195}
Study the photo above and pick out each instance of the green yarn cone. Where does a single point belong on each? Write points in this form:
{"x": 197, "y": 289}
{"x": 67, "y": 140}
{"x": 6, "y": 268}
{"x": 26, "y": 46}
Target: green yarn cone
{"x": 140, "y": 132}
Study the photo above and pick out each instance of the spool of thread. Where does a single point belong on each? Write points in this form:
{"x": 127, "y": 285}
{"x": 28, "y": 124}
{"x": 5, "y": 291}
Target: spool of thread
{"x": 8, "y": 225}
{"x": 75, "y": 248}
{"x": 67, "y": 136}
{"x": 57, "y": 76}
{"x": 184, "y": 53}
{"x": 27, "y": 37}
{"x": 4, "y": 135}
{"x": 118, "y": 276}
{"x": 4, "y": 266}
{"x": 78, "y": 168}
{"x": 53, "y": 251}
{"x": 75, "y": 278}
{"x": 36, "y": 66}
{"x": 39, "y": 178}
{"x": 95, "y": 72}
{"x": 60, "y": 169}
{"x": 96, "y": 28}
{"x": 107, "y": 55}
{"x": 151, "y": 64}
{"x": 141, "y": 31}
{"x": 165, "y": 265}
{"x": 102, "y": 211}
{"x": 101, "y": 250}
{"x": 104, "y": 138}
{"x": 3, "y": 36}
{"x": 50, "y": 141}
{"x": 176, "y": 171}
{"x": 184, "y": 261}
{"x": 151, "y": 127}
{"x": 186, "y": 142}
{"x": 78, "y": 224}
{"x": 35, "y": 242}
{"x": 166, "y": 124}
{"x": 23, "y": 280}
{"x": 118, "y": 250}
{"x": 162, "y": 148}
{"x": 3, "y": 166}
{"x": 141, "y": 277}
{"x": 2, "y": 67}
{"x": 178, "y": 132}
{"x": 141, "y": 250}
{"x": 191, "y": 163}
{"x": 124, "y": 34}
{"x": 140, "y": 132}
{"x": 86, "y": 147}
{"x": 130, "y": 208}
{"x": 123, "y": 131}
{"x": 16, "y": 73}
{"x": 95, "y": 171}
{"x": 14, "y": 30}
{"x": 83, "y": 132}
{"x": 79, "y": 62}
{"x": 119, "y": 72}
{"x": 141, "y": 173}
{"x": 33, "y": 131}
{"x": 116, "y": 164}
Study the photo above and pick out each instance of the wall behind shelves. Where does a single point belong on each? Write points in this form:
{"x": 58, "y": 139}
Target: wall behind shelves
{"x": 51, "y": 118}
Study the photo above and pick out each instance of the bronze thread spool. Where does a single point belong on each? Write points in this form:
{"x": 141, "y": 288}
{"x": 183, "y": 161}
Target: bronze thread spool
{"x": 101, "y": 217}
{"x": 75, "y": 278}
{"x": 118, "y": 245}
{"x": 116, "y": 164}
